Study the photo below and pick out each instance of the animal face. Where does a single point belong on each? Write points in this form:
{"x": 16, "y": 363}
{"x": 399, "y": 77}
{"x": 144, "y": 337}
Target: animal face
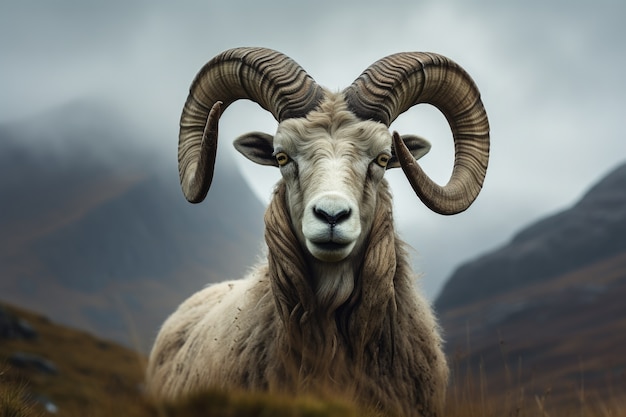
{"x": 332, "y": 164}
{"x": 331, "y": 179}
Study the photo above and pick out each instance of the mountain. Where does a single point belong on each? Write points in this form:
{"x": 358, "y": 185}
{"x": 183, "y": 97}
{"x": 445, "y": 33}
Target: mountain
{"x": 594, "y": 229}
{"x": 95, "y": 231}
{"x": 547, "y": 309}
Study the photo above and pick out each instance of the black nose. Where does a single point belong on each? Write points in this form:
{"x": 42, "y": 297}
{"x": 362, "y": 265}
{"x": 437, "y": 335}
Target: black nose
{"x": 331, "y": 218}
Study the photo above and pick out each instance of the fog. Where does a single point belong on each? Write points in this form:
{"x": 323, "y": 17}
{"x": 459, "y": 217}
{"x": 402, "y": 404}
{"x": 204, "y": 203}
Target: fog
{"x": 549, "y": 73}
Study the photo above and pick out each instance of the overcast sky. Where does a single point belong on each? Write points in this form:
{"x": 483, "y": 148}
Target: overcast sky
{"x": 550, "y": 73}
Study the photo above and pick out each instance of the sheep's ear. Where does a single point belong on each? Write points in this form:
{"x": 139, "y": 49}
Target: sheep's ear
{"x": 416, "y": 144}
{"x": 257, "y": 147}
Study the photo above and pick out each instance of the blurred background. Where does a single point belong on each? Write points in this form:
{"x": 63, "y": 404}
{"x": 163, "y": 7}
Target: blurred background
{"x": 95, "y": 233}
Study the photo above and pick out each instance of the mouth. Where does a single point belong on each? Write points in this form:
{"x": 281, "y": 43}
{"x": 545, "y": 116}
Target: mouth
{"x": 331, "y": 246}
{"x": 330, "y": 251}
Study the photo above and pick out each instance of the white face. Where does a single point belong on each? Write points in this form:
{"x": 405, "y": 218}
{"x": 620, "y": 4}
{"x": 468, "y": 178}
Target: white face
{"x": 332, "y": 176}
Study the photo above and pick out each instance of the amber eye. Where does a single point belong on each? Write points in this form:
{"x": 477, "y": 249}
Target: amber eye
{"x": 282, "y": 158}
{"x": 383, "y": 160}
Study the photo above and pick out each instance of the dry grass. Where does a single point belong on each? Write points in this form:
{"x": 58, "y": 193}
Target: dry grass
{"x": 14, "y": 399}
{"x": 229, "y": 404}
{"x": 467, "y": 398}
{"x": 101, "y": 379}
{"x": 473, "y": 393}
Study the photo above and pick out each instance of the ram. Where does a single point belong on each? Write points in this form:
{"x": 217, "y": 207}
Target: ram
{"x": 334, "y": 309}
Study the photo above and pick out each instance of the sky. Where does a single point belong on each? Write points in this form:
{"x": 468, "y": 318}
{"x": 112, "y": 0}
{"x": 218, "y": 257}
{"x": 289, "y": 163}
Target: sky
{"x": 550, "y": 75}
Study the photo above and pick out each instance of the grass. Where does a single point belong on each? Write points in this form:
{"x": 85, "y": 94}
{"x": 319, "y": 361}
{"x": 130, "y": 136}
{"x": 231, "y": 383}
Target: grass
{"x": 467, "y": 398}
{"x": 97, "y": 379}
{"x": 229, "y": 404}
{"x": 14, "y": 399}
{"x": 475, "y": 393}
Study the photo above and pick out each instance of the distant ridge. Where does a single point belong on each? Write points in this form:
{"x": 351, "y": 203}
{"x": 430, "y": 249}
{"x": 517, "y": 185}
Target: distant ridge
{"x": 593, "y": 229}
{"x": 95, "y": 230}
{"x": 545, "y": 313}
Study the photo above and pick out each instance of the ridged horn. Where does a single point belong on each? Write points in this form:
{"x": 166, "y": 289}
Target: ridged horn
{"x": 398, "y": 82}
{"x": 269, "y": 78}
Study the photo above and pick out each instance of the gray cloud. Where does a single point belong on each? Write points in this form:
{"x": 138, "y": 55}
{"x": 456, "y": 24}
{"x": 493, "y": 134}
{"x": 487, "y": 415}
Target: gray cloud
{"x": 549, "y": 72}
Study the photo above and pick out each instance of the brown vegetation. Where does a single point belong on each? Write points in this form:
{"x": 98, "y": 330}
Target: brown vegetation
{"x": 560, "y": 342}
{"x": 95, "y": 375}
{"x": 97, "y": 378}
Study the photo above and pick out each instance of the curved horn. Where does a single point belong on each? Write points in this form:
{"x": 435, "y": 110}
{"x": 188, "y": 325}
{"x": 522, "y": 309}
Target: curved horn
{"x": 398, "y": 82}
{"x": 269, "y": 78}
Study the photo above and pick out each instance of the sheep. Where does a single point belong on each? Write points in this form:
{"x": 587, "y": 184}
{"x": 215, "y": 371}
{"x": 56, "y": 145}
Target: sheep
{"x": 334, "y": 310}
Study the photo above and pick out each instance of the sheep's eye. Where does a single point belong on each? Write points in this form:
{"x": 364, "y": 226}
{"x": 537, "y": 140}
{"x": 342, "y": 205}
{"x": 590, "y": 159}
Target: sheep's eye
{"x": 282, "y": 158}
{"x": 383, "y": 159}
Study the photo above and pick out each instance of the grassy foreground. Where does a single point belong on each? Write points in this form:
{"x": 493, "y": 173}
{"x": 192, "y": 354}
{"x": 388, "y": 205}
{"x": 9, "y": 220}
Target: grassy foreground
{"x": 95, "y": 378}
{"x": 14, "y": 402}
{"x": 466, "y": 401}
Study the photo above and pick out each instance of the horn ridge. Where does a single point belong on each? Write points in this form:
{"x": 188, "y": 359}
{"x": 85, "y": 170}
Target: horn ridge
{"x": 392, "y": 85}
{"x": 269, "y": 78}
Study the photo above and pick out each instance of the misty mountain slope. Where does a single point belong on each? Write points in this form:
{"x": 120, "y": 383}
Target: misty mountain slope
{"x": 550, "y": 304}
{"x": 558, "y": 336}
{"x": 593, "y": 229}
{"x": 95, "y": 229}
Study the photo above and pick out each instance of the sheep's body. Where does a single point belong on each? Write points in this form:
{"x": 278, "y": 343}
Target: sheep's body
{"x": 231, "y": 335}
{"x": 334, "y": 311}
{"x": 211, "y": 340}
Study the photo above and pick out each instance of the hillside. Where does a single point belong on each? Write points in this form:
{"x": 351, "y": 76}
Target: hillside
{"x": 546, "y": 312}
{"x": 95, "y": 231}
{"x": 592, "y": 230}
{"x": 50, "y": 369}
{"x": 64, "y": 371}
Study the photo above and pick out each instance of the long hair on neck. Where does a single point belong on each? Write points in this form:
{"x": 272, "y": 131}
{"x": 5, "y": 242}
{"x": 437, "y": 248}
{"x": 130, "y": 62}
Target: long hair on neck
{"x": 334, "y": 339}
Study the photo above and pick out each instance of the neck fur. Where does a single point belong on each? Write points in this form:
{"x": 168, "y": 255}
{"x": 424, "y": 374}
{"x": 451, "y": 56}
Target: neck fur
{"x": 332, "y": 312}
